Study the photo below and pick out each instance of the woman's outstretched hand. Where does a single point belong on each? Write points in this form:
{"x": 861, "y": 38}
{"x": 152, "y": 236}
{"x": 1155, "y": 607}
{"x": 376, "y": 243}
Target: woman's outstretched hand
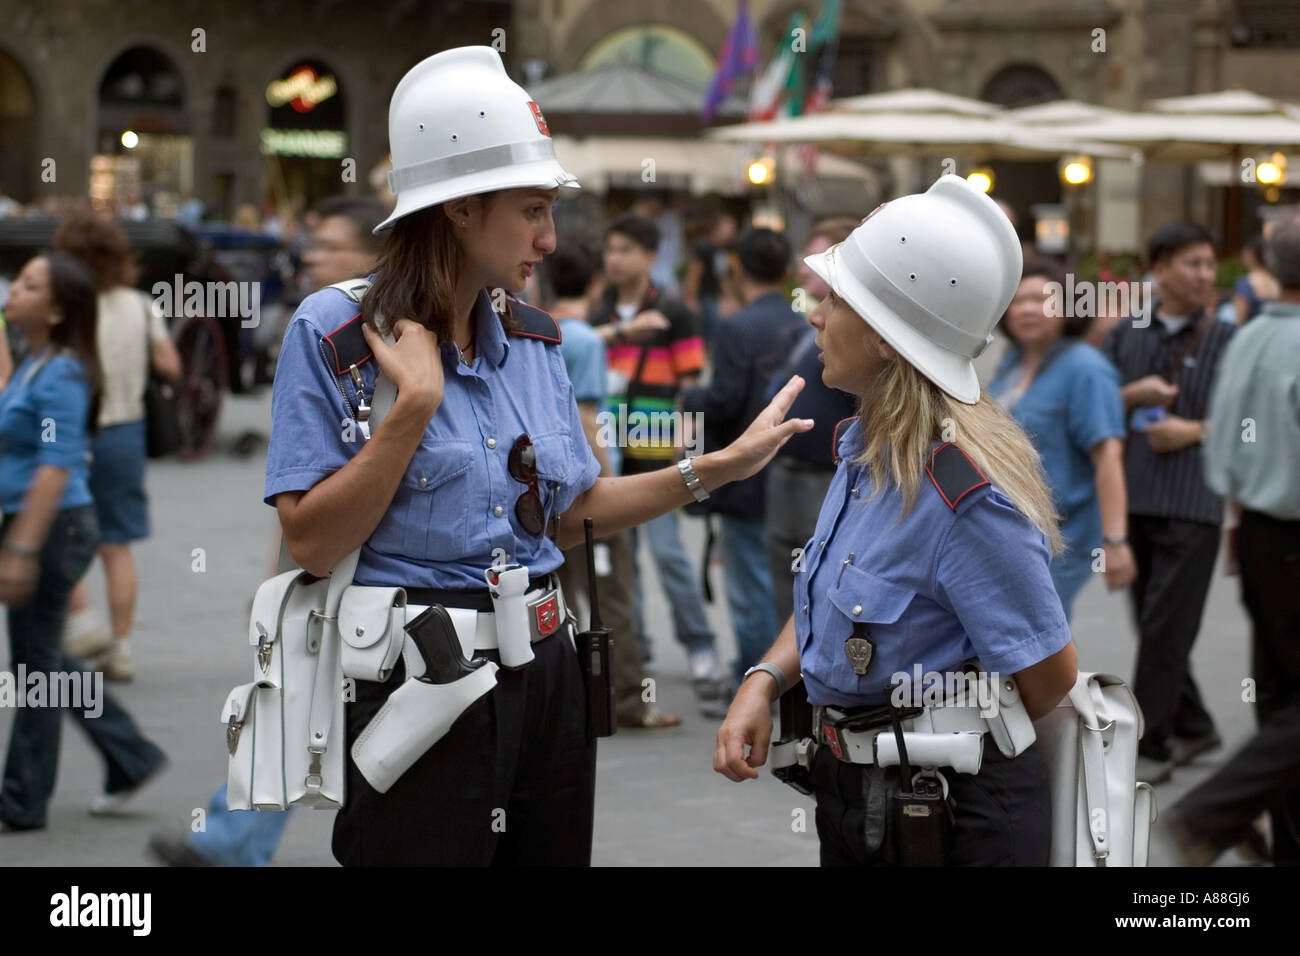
{"x": 769, "y": 431}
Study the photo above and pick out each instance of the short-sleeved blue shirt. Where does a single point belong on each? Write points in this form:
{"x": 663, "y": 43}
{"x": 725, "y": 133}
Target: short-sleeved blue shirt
{"x": 935, "y": 588}
{"x": 43, "y": 422}
{"x": 1067, "y": 410}
{"x": 584, "y": 357}
{"x": 455, "y": 504}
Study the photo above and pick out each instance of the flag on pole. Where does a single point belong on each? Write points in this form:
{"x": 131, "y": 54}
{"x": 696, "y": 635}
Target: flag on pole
{"x": 738, "y": 58}
{"x": 769, "y": 92}
{"x": 825, "y": 37}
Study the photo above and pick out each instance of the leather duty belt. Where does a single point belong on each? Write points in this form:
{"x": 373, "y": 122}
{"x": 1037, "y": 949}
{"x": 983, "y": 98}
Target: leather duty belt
{"x": 851, "y": 738}
{"x": 547, "y": 614}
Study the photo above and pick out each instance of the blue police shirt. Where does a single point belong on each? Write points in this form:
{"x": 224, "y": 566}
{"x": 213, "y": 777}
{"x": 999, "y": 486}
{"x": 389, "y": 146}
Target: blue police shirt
{"x": 935, "y": 587}
{"x": 43, "y": 422}
{"x": 455, "y": 504}
{"x": 1067, "y": 410}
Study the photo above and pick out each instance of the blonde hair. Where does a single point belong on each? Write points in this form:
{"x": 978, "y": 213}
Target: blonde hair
{"x": 906, "y": 413}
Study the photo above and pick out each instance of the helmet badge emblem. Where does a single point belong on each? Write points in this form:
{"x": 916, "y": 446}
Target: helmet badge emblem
{"x": 539, "y": 119}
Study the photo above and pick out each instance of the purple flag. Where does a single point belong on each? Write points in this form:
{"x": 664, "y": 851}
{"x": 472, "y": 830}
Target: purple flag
{"x": 739, "y": 56}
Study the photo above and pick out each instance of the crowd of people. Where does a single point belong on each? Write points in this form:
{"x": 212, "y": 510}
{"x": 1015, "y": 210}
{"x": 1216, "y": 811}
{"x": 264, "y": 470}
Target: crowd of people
{"x": 1171, "y": 437}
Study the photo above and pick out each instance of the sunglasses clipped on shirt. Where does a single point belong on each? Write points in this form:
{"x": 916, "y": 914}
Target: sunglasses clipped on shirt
{"x": 522, "y": 465}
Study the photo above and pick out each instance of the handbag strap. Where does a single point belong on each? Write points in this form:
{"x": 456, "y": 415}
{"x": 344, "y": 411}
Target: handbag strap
{"x": 1092, "y": 759}
{"x": 324, "y": 693}
{"x": 148, "y": 342}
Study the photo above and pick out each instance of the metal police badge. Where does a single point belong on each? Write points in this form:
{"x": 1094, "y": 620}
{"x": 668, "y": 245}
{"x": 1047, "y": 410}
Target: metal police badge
{"x": 548, "y": 617}
{"x": 859, "y": 649}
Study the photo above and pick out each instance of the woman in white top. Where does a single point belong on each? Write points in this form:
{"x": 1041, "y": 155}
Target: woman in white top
{"x": 118, "y": 451}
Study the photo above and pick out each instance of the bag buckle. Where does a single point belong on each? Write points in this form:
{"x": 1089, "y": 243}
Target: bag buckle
{"x": 314, "y": 778}
{"x": 313, "y": 637}
{"x": 264, "y": 645}
{"x": 233, "y": 726}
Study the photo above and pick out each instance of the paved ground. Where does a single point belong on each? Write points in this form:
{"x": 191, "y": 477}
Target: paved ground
{"x": 659, "y": 801}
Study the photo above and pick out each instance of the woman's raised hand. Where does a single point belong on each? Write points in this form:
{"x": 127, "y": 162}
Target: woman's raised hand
{"x": 413, "y": 362}
{"x": 768, "y": 432}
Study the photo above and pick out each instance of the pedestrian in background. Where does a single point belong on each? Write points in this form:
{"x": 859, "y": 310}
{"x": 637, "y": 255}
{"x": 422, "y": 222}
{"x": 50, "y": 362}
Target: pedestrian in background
{"x": 1065, "y": 395}
{"x": 654, "y": 349}
{"x": 708, "y": 280}
{"x": 131, "y": 341}
{"x": 750, "y": 346}
{"x": 1166, "y": 359}
{"x": 1257, "y": 286}
{"x": 48, "y": 537}
{"x": 802, "y": 470}
{"x": 574, "y": 272}
{"x": 1252, "y": 458}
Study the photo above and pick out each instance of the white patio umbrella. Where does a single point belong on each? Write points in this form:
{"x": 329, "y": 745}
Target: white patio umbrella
{"x": 1204, "y": 126}
{"x": 918, "y": 134}
{"x": 913, "y": 100}
{"x": 701, "y": 166}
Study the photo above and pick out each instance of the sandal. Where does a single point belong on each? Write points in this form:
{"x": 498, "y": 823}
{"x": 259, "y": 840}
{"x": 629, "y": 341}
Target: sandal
{"x": 652, "y": 718}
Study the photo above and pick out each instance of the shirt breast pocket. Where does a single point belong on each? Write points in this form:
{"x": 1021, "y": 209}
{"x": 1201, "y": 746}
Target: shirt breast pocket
{"x": 555, "y": 464}
{"x": 427, "y": 519}
{"x": 861, "y": 597}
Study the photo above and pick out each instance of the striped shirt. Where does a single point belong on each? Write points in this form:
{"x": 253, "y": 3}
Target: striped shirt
{"x": 646, "y": 378}
{"x": 1172, "y": 484}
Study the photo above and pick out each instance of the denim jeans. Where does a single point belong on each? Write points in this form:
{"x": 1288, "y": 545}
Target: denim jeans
{"x": 749, "y": 589}
{"x": 238, "y": 837}
{"x": 680, "y": 584}
{"x": 35, "y": 641}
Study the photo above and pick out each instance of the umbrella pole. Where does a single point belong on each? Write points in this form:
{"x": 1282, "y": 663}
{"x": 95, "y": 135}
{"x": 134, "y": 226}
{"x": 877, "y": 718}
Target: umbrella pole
{"x": 1232, "y": 208}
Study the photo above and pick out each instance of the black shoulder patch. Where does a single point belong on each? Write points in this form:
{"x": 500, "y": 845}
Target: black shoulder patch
{"x": 348, "y": 345}
{"x": 953, "y": 473}
{"x": 840, "y": 427}
{"x": 535, "y": 323}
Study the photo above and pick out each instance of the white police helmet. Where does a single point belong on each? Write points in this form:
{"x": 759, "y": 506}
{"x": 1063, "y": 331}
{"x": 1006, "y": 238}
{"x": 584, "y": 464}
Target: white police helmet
{"x": 459, "y": 126}
{"x": 933, "y": 274}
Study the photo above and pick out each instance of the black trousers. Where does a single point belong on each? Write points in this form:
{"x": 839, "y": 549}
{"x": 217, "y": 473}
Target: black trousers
{"x": 512, "y": 783}
{"x": 1003, "y": 815}
{"x": 1175, "y": 562}
{"x": 1265, "y": 773}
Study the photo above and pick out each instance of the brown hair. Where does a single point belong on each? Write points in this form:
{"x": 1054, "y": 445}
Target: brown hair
{"x": 101, "y": 244}
{"x": 72, "y": 289}
{"x": 418, "y": 272}
{"x": 834, "y": 230}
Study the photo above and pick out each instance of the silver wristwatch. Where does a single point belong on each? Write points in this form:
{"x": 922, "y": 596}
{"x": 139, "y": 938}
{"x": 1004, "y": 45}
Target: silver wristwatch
{"x": 772, "y": 669}
{"x": 692, "y": 480}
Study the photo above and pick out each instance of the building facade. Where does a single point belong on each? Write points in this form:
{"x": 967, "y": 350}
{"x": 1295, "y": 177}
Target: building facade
{"x": 256, "y": 102}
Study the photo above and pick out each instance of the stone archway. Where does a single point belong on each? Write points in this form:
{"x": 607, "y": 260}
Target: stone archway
{"x": 1021, "y": 84}
{"x": 144, "y": 148}
{"x": 697, "y": 19}
{"x": 17, "y": 130}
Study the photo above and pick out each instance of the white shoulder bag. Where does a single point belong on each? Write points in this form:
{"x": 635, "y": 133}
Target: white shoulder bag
{"x": 285, "y": 729}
